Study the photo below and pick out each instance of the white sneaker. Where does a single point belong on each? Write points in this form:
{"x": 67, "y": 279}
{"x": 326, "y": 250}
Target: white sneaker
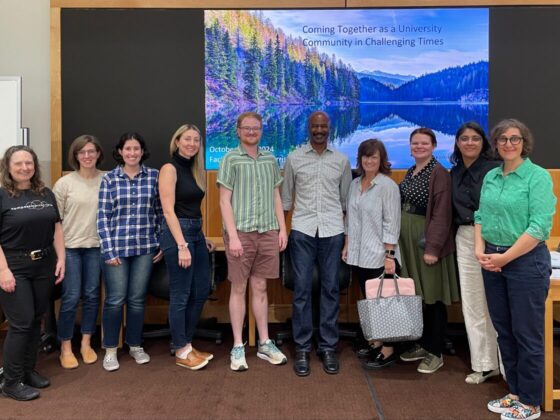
{"x": 237, "y": 358}
{"x": 139, "y": 355}
{"x": 110, "y": 362}
{"x": 479, "y": 377}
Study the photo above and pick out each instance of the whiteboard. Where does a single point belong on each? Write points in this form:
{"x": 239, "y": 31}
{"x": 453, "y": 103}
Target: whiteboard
{"x": 10, "y": 112}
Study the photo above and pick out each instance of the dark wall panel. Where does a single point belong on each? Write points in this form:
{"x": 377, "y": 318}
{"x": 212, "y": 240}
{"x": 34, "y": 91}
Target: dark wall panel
{"x": 525, "y": 73}
{"x": 131, "y": 70}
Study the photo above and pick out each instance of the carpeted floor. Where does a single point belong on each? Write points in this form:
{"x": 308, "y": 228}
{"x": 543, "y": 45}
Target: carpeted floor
{"x": 161, "y": 390}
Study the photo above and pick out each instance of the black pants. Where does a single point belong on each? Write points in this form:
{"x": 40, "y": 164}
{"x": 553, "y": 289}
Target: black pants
{"x": 435, "y": 324}
{"x": 24, "y": 309}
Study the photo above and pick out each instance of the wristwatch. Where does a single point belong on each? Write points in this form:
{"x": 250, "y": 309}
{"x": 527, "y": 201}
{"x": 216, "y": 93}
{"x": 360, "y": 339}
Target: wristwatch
{"x": 183, "y": 246}
{"x": 390, "y": 253}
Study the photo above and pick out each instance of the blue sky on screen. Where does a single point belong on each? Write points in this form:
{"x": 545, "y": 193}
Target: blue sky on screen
{"x": 450, "y": 25}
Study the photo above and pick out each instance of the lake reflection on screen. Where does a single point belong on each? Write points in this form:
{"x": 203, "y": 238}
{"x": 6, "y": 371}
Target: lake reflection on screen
{"x": 286, "y": 128}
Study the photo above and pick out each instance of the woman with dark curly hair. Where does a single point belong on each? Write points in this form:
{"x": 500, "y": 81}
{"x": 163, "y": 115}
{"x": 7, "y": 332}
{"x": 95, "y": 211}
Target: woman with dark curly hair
{"x": 32, "y": 261}
{"x": 513, "y": 221}
{"x": 128, "y": 220}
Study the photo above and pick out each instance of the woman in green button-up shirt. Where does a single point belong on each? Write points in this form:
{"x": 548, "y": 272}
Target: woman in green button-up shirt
{"x": 513, "y": 221}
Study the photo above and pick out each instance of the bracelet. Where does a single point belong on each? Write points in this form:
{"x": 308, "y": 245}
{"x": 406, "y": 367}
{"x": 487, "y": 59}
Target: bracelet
{"x": 183, "y": 246}
{"x": 390, "y": 253}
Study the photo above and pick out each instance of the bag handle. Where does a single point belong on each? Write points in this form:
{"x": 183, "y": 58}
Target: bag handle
{"x": 382, "y": 279}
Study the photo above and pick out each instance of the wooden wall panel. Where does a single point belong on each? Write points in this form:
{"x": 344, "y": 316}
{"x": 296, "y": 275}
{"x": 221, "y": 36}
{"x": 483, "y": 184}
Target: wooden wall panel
{"x": 213, "y": 215}
{"x": 287, "y": 4}
{"x": 452, "y": 3}
{"x": 56, "y": 97}
{"x": 197, "y": 4}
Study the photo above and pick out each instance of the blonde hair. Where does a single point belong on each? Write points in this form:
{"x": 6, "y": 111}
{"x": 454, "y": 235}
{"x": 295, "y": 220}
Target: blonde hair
{"x": 198, "y": 171}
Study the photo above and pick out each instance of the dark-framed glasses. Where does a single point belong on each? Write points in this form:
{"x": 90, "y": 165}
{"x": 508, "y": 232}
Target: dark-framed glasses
{"x": 474, "y": 139}
{"x": 514, "y": 140}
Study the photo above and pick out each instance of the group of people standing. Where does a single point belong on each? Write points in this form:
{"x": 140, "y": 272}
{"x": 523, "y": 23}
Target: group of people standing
{"x": 494, "y": 209}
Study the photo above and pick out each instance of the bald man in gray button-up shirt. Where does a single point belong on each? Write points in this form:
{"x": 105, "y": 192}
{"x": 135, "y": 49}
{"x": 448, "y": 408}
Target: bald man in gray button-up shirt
{"x": 316, "y": 183}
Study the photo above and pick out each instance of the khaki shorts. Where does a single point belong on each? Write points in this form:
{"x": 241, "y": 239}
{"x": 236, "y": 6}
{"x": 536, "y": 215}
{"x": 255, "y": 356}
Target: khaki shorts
{"x": 261, "y": 256}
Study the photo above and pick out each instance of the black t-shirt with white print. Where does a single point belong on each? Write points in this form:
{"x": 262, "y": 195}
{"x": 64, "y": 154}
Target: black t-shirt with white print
{"x": 27, "y": 221}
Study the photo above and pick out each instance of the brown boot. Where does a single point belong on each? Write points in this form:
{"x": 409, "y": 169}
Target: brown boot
{"x": 202, "y": 354}
{"x": 192, "y": 362}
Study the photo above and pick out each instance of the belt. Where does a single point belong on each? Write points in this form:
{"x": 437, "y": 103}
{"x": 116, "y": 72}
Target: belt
{"x": 504, "y": 248}
{"x": 34, "y": 255}
{"x": 411, "y": 208}
{"x": 498, "y": 248}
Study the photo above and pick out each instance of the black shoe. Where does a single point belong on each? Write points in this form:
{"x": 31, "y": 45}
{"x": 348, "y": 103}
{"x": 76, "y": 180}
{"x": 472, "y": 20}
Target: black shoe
{"x": 301, "y": 363}
{"x": 36, "y": 380}
{"x": 368, "y": 352}
{"x": 330, "y": 362}
{"x": 20, "y": 392}
{"x": 380, "y": 361}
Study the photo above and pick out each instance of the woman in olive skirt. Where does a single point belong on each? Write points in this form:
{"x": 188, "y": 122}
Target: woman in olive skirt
{"x": 427, "y": 246}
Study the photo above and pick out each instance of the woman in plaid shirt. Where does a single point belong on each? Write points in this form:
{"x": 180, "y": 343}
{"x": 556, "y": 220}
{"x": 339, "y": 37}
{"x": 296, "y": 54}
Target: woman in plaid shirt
{"x": 128, "y": 221}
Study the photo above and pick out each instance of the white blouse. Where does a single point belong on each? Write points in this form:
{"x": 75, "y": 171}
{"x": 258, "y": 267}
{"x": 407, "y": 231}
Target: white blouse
{"x": 373, "y": 218}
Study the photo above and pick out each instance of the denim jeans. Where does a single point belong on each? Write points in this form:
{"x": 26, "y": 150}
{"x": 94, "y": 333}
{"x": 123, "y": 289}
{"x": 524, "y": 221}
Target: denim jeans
{"x": 188, "y": 287}
{"x": 24, "y": 308}
{"x": 81, "y": 281}
{"x": 126, "y": 283}
{"x": 305, "y": 252}
{"x": 516, "y": 298}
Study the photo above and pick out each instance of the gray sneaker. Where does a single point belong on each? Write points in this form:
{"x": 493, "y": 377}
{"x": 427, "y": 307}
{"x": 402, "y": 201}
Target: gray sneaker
{"x": 415, "y": 353}
{"x": 139, "y": 355}
{"x": 237, "y": 358}
{"x": 110, "y": 362}
{"x": 430, "y": 363}
{"x": 269, "y": 352}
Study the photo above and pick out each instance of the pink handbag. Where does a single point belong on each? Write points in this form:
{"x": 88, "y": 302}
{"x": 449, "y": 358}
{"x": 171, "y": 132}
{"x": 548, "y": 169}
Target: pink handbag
{"x": 405, "y": 286}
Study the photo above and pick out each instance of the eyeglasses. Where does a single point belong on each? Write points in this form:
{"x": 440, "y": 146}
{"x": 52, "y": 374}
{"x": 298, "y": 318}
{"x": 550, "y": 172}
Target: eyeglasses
{"x": 87, "y": 152}
{"x": 249, "y": 129}
{"x": 474, "y": 139}
{"x": 514, "y": 140}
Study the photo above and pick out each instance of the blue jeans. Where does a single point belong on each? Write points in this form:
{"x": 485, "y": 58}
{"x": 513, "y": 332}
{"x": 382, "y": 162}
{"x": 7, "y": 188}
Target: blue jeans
{"x": 126, "y": 283}
{"x": 305, "y": 252}
{"x": 188, "y": 287}
{"x": 516, "y": 298}
{"x": 81, "y": 281}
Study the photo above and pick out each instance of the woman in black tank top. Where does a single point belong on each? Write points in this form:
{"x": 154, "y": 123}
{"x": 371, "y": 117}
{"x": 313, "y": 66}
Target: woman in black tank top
{"x": 182, "y": 185}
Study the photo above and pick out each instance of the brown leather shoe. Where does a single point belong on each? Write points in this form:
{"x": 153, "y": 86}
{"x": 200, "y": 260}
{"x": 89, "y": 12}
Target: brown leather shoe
{"x": 89, "y": 355}
{"x": 68, "y": 361}
{"x": 192, "y": 362}
{"x": 202, "y": 354}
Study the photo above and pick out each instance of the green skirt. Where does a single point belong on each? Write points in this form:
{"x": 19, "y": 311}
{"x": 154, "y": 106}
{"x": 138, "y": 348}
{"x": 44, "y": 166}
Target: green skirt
{"x": 436, "y": 282}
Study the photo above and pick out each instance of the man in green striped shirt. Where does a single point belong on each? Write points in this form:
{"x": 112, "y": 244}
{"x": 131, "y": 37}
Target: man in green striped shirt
{"x": 254, "y": 233}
